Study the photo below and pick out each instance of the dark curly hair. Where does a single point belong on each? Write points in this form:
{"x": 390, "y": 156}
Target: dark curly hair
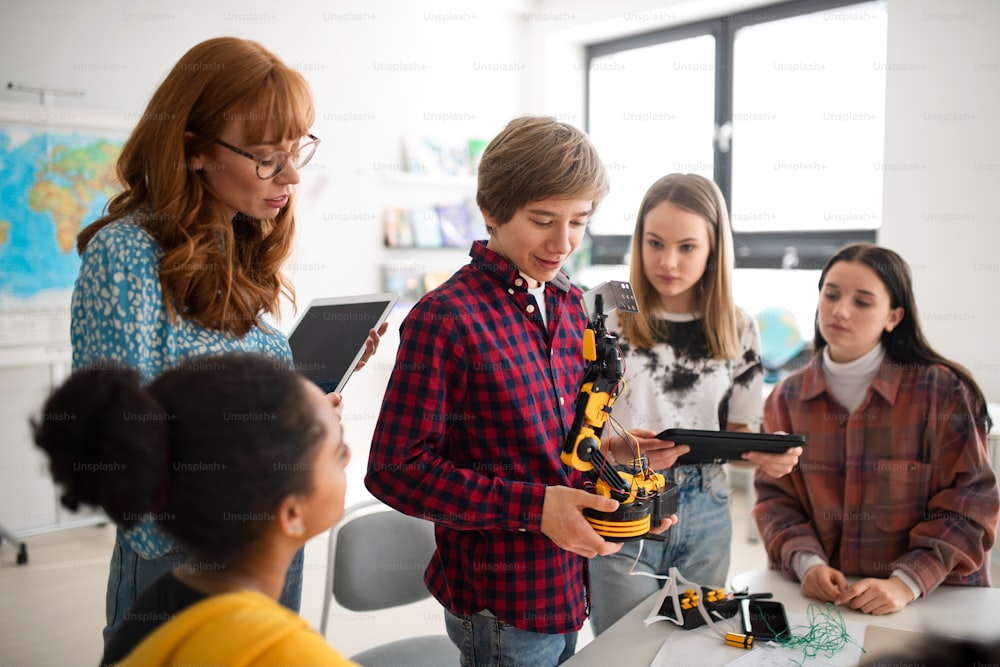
{"x": 207, "y": 450}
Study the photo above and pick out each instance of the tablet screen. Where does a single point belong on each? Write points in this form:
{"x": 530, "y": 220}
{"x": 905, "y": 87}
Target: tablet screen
{"x": 329, "y": 339}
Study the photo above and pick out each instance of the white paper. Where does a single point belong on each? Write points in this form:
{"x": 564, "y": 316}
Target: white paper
{"x": 687, "y": 643}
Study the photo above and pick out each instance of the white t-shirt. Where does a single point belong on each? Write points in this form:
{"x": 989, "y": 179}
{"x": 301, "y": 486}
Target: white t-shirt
{"x": 539, "y": 294}
{"x": 675, "y": 384}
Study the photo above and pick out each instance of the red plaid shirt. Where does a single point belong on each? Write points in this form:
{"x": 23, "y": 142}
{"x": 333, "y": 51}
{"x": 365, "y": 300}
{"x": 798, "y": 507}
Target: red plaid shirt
{"x": 472, "y": 424}
{"x": 902, "y": 483}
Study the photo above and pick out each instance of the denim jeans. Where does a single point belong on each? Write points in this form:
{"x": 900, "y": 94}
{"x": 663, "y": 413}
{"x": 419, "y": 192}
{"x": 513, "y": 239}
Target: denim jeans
{"x": 485, "y": 641}
{"x": 698, "y": 546}
{"x": 130, "y": 575}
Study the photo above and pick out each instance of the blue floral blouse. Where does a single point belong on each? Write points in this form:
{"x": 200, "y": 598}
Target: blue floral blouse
{"x": 118, "y": 318}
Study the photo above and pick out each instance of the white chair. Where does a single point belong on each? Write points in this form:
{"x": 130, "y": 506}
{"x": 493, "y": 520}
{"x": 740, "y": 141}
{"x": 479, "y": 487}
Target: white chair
{"x": 376, "y": 560}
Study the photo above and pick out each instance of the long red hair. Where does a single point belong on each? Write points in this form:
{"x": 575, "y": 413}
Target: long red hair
{"x": 222, "y": 273}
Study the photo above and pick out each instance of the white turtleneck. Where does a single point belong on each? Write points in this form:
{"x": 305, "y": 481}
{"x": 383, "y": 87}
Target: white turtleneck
{"x": 849, "y": 381}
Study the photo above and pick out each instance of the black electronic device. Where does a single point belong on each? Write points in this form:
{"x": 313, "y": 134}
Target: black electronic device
{"x": 764, "y": 620}
{"x": 715, "y": 601}
{"x": 328, "y": 341}
{"x": 722, "y": 446}
{"x": 614, "y": 295}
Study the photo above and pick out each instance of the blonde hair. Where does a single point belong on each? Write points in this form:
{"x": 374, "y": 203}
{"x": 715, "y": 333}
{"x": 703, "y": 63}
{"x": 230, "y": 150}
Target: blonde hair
{"x": 720, "y": 319}
{"x": 535, "y": 158}
{"x": 220, "y": 274}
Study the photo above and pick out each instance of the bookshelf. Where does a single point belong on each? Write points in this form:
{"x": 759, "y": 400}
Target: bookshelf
{"x": 429, "y": 215}
{"x": 422, "y": 247}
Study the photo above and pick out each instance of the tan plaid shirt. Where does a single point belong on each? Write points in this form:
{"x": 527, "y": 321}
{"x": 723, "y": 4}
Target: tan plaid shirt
{"x": 904, "y": 482}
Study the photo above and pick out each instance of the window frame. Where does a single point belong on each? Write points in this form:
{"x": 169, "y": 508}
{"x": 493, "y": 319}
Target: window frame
{"x": 754, "y": 249}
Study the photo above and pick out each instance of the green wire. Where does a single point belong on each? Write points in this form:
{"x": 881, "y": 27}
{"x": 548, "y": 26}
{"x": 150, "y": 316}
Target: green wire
{"x": 826, "y": 634}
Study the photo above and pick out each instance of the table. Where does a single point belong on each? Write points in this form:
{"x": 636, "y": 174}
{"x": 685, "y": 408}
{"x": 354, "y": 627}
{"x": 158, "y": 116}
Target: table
{"x": 961, "y": 611}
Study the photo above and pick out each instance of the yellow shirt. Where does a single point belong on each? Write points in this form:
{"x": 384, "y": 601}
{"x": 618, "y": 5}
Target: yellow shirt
{"x": 241, "y": 629}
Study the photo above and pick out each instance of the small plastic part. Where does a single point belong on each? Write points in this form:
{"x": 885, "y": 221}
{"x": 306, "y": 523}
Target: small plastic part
{"x": 737, "y": 640}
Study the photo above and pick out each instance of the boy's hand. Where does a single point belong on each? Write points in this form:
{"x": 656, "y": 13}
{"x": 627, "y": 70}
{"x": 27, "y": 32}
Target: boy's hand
{"x": 563, "y": 521}
{"x": 665, "y": 525}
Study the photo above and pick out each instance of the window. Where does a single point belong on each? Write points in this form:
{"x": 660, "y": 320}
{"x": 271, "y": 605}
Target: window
{"x": 654, "y": 117}
{"x": 808, "y": 122}
{"x": 783, "y": 106}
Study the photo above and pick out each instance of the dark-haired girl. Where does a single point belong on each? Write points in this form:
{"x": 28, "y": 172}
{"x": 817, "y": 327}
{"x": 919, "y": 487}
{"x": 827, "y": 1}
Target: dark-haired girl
{"x": 895, "y": 485}
{"x": 241, "y": 461}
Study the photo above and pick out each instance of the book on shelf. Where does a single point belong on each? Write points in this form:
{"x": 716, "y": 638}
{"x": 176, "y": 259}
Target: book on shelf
{"x": 429, "y": 155}
{"x": 477, "y": 225}
{"x": 476, "y": 148}
{"x": 398, "y": 230}
{"x": 455, "y": 224}
{"x": 405, "y": 278}
{"x": 426, "y": 227}
{"x": 461, "y": 224}
{"x": 422, "y": 155}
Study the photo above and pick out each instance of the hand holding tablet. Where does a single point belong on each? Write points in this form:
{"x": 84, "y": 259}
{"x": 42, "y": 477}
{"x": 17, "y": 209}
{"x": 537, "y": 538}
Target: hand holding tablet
{"x": 331, "y": 337}
{"x": 722, "y": 446}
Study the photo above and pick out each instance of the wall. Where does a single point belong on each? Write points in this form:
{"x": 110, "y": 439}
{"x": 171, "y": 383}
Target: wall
{"x": 378, "y": 69}
{"x": 942, "y": 156}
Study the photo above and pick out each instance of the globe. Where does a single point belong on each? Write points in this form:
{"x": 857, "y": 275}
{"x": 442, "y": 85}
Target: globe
{"x": 780, "y": 337}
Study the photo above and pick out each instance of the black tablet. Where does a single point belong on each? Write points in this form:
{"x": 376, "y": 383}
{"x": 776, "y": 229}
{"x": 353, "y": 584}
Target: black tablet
{"x": 721, "y": 446}
{"x": 329, "y": 339}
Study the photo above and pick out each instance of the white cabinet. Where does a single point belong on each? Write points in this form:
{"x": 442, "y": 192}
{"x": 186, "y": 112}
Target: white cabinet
{"x": 29, "y": 501}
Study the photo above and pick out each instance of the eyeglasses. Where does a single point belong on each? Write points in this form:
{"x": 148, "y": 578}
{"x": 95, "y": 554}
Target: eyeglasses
{"x": 271, "y": 165}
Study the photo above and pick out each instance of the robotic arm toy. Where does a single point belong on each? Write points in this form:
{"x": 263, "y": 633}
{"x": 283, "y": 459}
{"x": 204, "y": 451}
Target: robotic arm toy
{"x": 644, "y": 497}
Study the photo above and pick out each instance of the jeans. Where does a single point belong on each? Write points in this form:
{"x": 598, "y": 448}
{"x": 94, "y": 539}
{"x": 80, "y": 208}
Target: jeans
{"x": 485, "y": 641}
{"x": 130, "y": 575}
{"x": 698, "y": 546}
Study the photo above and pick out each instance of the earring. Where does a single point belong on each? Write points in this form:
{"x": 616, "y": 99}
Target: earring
{"x": 297, "y": 530}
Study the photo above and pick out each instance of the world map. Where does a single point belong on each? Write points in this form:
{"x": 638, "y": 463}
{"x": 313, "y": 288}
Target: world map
{"x": 51, "y": 184}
